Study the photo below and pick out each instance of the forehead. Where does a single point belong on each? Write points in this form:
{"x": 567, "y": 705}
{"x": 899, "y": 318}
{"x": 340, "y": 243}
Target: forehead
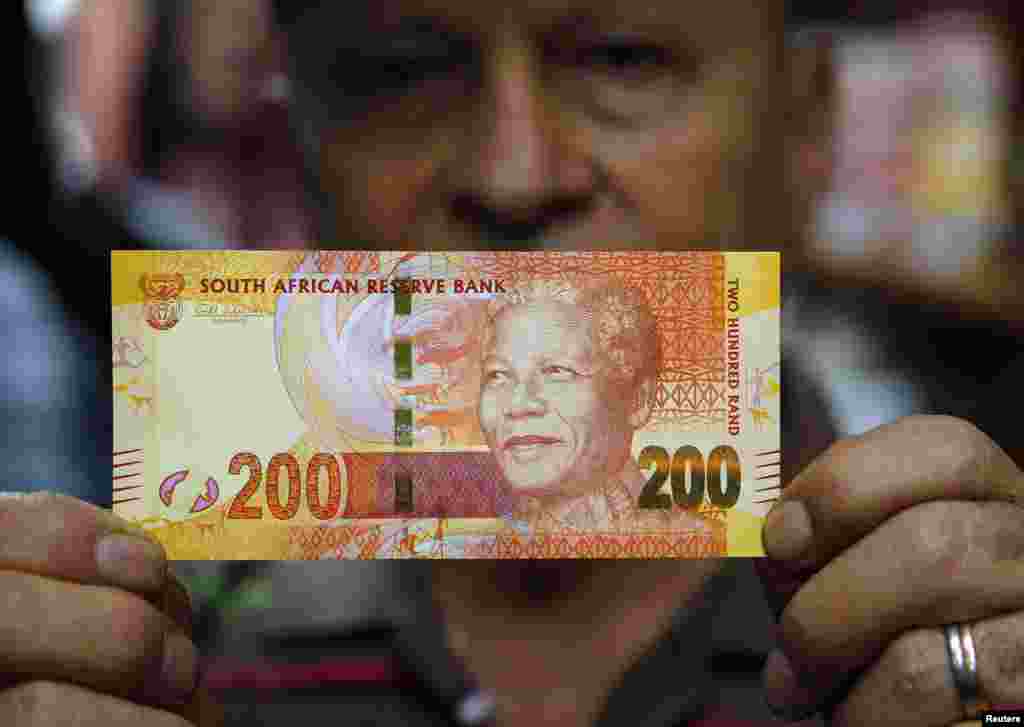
{"x": 711, "y": 22}
{"x": 541, "y": 326}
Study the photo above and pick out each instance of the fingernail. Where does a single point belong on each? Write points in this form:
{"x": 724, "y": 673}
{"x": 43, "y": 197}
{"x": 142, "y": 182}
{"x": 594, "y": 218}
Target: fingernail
{"x": 787, "y": 531}
{"x": 180, "y": 673}
{"x": 131, "y": 561}
{"x": 786, "y": 698}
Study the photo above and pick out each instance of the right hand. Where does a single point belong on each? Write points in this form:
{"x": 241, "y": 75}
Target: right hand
{"x": 93, "y": 628}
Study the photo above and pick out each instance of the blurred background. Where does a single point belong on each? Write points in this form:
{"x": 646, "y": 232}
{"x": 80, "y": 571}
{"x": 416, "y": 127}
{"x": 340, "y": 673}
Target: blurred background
{"x": 164, "y": 123}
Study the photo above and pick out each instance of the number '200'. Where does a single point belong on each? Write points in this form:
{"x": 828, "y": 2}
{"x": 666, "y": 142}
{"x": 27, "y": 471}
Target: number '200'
{"x": 321, "y": 510}
{"x": 688, "y": 459}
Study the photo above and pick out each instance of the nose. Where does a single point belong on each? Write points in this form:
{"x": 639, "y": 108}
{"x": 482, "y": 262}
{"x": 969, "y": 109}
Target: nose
{"x": 525, "y": 401}
{"x": 520, "y": 176}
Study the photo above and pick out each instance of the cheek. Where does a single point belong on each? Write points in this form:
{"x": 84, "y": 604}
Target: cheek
{"x": 681, "y": 178}
{"x": 380, "y": 188}
{"x": 487, "y": 411}
{"x": 672, "y": 176}
{"x": 585, "y": 415}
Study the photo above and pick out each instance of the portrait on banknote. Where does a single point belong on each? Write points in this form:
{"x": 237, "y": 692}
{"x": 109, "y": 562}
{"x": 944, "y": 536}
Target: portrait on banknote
{"x": 569, "y": 374}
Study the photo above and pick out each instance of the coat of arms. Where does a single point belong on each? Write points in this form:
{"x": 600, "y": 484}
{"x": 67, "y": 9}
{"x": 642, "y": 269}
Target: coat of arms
{"x": 161, "y": 291}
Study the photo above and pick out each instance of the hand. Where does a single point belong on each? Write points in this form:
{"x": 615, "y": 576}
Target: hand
{"x": 881, "y": 541}
{"x": 93, "y": 630}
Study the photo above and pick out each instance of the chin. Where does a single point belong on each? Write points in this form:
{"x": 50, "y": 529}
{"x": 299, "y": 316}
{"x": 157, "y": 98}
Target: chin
{"x": 533, "y": 488}
{"x": 540, "y": 582}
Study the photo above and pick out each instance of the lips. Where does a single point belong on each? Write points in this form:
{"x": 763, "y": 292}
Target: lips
{"x": 529, "y": 440}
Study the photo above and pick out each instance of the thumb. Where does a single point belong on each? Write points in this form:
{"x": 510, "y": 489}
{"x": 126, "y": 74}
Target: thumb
{"x": 204, "y": 710}
{"x": 780, "y": 582}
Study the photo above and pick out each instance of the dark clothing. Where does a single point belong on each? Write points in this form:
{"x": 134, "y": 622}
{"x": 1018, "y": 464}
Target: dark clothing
{"x": 274, "y": 665}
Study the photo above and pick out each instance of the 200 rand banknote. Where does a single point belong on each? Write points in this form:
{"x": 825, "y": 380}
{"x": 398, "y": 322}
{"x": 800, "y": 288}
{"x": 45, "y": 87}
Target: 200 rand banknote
{"x": 300, "y": 405}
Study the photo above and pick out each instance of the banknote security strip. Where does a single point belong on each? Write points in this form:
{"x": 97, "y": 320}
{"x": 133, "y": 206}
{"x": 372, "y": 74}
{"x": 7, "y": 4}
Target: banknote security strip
{"x": 404, "y": 414}
{"x": 406, "y": 408}
{"x": 363, "y": 404}
{"x": 405, "y": 411}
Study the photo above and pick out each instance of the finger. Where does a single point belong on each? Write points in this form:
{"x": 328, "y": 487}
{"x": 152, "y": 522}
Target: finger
{"x": 781, "y": 582}
{"x": 44, "y": 703}
{"x": 859, "y": 483}
{"x": 204, "y": 710}
{"x": 912, "y": 683}
{"x": 61, "y": 537}
{"x": 937, "y": 563}
{"x": 177, "y": 604}
{"x": 100, "y": 637}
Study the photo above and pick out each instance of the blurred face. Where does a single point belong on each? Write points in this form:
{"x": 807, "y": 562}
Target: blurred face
{"x": 554, "y": 427}
{"x": 229, "y": 54}
{"x": 460, "y": 124}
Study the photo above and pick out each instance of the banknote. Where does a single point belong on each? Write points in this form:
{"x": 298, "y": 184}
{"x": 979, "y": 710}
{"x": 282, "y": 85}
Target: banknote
{"x": 358, "y": 404}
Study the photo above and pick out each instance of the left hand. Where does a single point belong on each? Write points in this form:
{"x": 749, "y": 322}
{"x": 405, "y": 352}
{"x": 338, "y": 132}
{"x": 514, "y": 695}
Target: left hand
{"x": 884, "y": 539}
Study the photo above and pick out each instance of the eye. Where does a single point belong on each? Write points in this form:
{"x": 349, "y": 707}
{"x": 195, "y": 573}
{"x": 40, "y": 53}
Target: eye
{"x": 495, "y": 377}
{"x": 400, "y": 61}
{"x": 394, "y": 73}
{"x": 624, "y": 58}
{"x": 622, "y": 78}
{"x": 560, "y": 373}
{"x": 366, "y": 76}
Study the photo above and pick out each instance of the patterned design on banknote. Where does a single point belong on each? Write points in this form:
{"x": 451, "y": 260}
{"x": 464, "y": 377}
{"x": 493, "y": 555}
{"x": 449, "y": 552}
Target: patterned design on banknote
{"x": 685, "y": 292}
{"x": 590, "y": 546}
{"x": 428, "y": 540}
{"x": 357, "y": 542}
{"x": 132, "y": 362}
{"x": 447, "y": 484}
{"x": 127, "y": 466}
{"x": 347, "y": 262}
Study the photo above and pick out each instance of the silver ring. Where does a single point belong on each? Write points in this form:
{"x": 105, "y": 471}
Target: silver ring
{"x": 963, "y": 663}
